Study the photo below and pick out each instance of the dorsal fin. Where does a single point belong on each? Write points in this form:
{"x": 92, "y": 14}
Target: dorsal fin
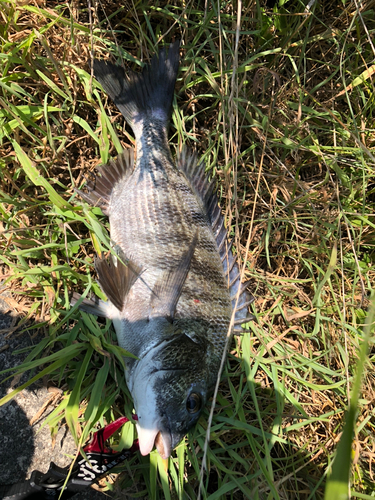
{"x": 100, "y": 189}
{"x": 195, "y": 174}
{"x": 205, "y": 190}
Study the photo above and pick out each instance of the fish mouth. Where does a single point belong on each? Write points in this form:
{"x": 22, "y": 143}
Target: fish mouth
{"x": 150, "y": 437}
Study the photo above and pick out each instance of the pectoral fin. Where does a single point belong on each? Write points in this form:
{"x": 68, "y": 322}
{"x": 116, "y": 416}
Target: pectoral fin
{"x": 168, "y": 289}
{"x": 93, "y": 306}
{"x": 116, "y": 279}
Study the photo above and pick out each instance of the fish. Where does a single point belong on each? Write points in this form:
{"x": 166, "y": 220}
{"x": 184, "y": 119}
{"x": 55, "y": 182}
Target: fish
{"x": 173, "y": 282}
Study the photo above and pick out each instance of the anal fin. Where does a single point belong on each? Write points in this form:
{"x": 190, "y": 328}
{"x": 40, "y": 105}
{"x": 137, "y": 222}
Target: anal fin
{"x": 100, "y": 189}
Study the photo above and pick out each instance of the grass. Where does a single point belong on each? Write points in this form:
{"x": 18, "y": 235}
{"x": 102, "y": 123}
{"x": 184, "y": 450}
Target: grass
{"x": 279, "y": 101}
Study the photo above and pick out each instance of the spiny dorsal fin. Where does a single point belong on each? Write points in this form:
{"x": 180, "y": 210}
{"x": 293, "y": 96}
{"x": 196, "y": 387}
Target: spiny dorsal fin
{"x": 168, "y": 289}
{"x": 99, "y": 190}
{"x": 116, "y": 278}
{"x": 205, "y": 190}
{"x": 187, "y": 162}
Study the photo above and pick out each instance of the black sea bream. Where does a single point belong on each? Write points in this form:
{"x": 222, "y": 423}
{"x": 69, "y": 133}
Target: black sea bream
{"x": 170, "y": 292}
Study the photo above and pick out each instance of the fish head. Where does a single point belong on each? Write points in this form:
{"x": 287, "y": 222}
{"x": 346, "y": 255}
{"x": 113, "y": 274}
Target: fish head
{"x": 169, "y": 411}
{"x": 170, "y": 390}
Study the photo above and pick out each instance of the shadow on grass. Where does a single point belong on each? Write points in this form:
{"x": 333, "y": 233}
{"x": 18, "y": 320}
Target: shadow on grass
{"x": 25, "y": 447}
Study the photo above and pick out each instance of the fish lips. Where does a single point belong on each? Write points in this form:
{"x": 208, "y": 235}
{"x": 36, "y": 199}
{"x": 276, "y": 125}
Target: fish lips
{"x": 163, "y": 440}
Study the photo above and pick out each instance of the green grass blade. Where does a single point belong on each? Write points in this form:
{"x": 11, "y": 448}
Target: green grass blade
{"x": 72, "y": 408}
{"x": 338, "y": 486}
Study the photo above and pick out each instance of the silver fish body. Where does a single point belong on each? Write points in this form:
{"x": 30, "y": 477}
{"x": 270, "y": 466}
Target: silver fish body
{"x": 168, "y": 292}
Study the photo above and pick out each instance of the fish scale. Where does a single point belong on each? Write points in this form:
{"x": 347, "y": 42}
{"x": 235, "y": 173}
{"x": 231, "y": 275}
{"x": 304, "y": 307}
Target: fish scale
{"x": 162, "y": 248}
{"x": 168, "y": 293}
{"x": 163, "y": 224}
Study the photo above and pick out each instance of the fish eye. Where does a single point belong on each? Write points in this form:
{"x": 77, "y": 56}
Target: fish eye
{"x": 194, "y": 403}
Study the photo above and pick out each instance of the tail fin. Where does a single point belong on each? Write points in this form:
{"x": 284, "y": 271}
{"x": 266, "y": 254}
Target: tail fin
{"x": 149, "y": 93}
